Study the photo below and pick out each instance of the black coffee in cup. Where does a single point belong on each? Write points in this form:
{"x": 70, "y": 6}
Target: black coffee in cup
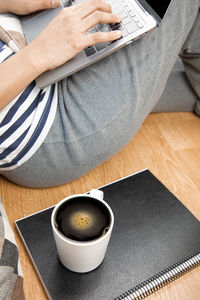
{"x": 83, "y": 219}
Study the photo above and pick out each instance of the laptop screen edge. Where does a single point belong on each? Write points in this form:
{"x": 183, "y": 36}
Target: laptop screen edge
{"x": 152, "y": 11}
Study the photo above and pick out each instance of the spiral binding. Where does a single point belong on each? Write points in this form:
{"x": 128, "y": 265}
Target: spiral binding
{"x": 161, "y": 279}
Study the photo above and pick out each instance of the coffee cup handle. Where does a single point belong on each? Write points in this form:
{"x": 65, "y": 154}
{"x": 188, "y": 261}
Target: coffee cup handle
{"x": 96, "y": 194}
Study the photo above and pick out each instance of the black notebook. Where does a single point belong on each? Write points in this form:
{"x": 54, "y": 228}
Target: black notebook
{"x": 154, "y": 241}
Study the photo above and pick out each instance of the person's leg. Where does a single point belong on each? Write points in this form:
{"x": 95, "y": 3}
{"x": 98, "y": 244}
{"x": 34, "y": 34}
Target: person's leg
{"x": 182, "y": 91}
{"x": 178, "y": 94}
{"x": 102, "y": 107}
{"x": 191, "y": 59}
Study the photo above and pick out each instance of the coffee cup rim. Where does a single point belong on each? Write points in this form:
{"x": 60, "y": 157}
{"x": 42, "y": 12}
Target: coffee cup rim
{"x": 81, "y": 243}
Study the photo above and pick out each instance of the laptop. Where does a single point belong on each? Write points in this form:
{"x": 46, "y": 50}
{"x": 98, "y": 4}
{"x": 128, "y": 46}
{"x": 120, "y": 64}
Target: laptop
{"x": 138, "y": 18}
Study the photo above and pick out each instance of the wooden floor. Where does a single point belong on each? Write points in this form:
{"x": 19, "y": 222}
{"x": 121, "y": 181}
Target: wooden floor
{"x": 168, "y": 144}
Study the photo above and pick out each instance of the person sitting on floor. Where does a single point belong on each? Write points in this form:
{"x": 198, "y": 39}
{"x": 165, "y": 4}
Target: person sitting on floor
{"x": 54, "y": 135}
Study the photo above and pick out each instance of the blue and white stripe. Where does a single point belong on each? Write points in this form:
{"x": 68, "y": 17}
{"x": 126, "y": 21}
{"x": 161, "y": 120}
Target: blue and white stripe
{"x": 25, "y": 121}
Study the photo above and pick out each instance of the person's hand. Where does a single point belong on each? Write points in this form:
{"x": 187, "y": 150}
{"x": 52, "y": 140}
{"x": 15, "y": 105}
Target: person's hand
{"x": 24, "y": 7}
{"x": 67, "y": 34}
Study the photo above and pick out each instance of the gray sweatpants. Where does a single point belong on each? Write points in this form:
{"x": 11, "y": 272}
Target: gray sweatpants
{"x": 101, "y": 107}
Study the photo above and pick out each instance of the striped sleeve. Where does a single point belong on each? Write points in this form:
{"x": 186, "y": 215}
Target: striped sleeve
{"x": 25, "y": 121}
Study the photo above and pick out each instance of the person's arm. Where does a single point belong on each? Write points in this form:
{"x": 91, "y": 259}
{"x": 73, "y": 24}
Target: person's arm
{"x": 15, "y": 75}
{"x": 61, "y": 40}
{"x": 23, "y": 7}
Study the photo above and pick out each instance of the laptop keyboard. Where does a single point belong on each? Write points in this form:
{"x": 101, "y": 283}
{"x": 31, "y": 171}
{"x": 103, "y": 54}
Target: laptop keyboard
{"x": 130, "y": 23}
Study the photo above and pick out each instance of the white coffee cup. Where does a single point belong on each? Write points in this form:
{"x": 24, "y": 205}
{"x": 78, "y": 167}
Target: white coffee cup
{"x": 81, "y": 256}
